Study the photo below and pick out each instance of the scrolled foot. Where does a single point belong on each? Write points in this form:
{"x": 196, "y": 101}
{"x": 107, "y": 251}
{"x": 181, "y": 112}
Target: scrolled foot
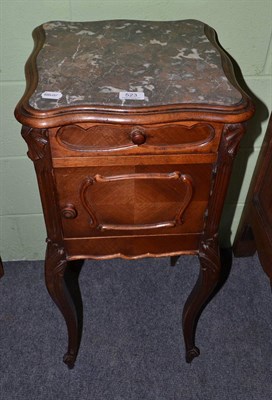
{"x": 191, "y": 354}
{"x": 69, "y": 360}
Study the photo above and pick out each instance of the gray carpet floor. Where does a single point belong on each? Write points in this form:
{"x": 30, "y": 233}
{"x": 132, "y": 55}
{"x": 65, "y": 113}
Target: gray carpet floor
{"x": 132, "y": 347}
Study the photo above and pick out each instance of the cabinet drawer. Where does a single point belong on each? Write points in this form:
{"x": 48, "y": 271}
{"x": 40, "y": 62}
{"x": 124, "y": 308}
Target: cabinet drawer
{"x": 142, "y": 199}
{"x": 84, "y": 140}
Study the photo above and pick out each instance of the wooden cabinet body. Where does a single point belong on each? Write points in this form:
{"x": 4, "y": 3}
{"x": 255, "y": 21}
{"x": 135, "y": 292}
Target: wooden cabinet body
{"x": 133, "y": 195}
{"x": 132, "y": 173}
{"x": 255, "y": 228}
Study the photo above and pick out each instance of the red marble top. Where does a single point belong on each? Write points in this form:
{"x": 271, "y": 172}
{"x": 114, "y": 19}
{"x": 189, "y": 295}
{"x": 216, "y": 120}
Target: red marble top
{"x": 91, "y": 63}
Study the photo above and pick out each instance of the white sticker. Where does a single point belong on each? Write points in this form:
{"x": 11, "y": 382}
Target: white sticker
{"x": 131, "y": 96}
{"x": 52, "y": 95}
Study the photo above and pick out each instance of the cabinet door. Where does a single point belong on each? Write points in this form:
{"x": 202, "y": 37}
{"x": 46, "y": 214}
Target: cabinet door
{"x": 128, "y": 200}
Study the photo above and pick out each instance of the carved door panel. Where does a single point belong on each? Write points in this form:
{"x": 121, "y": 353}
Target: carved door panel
{"x": 103, "y": 201}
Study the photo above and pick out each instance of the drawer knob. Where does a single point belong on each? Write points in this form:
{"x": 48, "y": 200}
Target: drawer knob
{"x": 138, "y": 137}
{"x": 69, "y": 211}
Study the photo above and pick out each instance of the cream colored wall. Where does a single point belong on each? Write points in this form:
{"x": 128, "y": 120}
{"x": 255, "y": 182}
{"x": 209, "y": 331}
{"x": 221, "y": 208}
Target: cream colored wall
{"x": 244, "y": 30}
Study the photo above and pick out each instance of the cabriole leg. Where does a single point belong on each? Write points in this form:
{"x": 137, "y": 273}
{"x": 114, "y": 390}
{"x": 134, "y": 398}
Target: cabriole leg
{"x": 207, "y": 281}
{"x": 62, "y": 284}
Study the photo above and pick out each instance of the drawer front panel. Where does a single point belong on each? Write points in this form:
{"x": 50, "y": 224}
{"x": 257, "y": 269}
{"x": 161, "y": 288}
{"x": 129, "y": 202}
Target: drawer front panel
{"x": 75, "y": 140}
{"x": 112, "y": 201}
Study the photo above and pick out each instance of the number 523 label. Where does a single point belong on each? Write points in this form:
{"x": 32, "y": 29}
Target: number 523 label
{"x": 131, "y": 96}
